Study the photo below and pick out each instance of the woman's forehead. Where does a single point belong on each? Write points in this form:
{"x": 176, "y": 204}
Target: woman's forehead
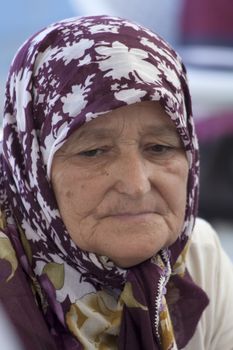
{"x": 146, "y": 117}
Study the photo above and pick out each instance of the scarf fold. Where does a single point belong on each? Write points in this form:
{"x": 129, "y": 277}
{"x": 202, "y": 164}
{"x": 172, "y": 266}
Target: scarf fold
{"x": 66, "y": 75}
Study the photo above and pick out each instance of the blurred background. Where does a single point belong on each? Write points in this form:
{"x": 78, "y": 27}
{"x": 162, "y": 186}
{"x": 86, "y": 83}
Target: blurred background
{"x": 202, "y": 32}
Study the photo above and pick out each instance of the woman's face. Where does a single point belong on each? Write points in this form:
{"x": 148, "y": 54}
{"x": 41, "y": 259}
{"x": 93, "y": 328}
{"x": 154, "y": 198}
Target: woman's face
{"x": 120, "y": 182}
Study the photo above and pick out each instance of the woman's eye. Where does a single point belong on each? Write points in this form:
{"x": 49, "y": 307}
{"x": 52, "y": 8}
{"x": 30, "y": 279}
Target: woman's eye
{"x": 159, "y": 149}
{"x": 92, "y": 153}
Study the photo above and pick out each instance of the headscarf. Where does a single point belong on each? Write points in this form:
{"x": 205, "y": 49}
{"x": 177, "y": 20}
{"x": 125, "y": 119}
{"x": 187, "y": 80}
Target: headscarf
{"x": 62, "y": 77}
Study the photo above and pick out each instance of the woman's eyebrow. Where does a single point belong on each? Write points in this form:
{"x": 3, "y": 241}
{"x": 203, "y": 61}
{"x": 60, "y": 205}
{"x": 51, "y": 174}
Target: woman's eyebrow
{"x": 166, "y": 130}
{"x": 161, "y": 129}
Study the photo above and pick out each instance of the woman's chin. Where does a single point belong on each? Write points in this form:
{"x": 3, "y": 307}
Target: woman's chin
{"x": 130, "y": 261}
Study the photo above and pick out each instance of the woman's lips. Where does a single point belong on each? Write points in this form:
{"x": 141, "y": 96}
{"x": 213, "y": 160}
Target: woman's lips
{"x": 132, "y": 217}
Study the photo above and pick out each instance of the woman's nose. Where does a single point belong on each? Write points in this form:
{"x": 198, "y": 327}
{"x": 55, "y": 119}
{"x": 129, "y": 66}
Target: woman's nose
{"x": 132, "y": 175}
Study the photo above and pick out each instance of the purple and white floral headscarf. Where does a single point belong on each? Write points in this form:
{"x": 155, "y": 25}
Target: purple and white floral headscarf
{"x": 62, "y": 77}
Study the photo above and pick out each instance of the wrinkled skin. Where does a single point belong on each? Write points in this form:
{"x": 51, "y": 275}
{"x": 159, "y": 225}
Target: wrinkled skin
{"x": 120, "y": 182}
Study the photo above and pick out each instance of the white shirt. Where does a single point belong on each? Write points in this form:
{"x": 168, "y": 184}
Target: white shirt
{"x": 212, "y": 270}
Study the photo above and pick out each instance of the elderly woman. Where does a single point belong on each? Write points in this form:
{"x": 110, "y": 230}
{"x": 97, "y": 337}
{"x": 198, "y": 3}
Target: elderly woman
{"x": 99, "y": 245}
